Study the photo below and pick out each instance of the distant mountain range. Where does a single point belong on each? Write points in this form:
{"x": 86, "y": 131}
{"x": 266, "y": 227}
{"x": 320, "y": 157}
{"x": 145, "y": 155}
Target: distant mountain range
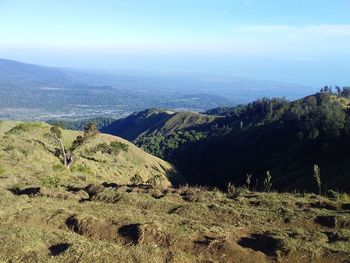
{"x": 40, "y": 93}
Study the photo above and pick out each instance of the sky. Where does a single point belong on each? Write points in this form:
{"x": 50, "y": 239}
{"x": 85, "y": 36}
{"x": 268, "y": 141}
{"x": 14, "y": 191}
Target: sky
{"x": 298, "y": 41}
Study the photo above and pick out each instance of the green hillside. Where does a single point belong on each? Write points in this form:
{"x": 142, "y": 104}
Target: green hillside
{"x": 285, "y": 138}
{"x": 29, "y": 152}
{"x": 156, "y": 121}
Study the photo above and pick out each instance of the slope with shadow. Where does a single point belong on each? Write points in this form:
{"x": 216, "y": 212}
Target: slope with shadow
{"x": 30, "y": 151}
{"x": 285, "y": 138}
{"x": 156, "y": 121}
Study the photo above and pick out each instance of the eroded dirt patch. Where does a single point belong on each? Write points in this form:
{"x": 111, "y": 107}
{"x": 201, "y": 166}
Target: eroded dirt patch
{"x": 327, "y": 221}
{"x": 30, "y": 191}
{"x": 58, "y": 249}
{"x": 265, "y": 243}
{"x": 134, "y": 234}
{"x": 93, "y": 228}
{"x": 220, "y": 249}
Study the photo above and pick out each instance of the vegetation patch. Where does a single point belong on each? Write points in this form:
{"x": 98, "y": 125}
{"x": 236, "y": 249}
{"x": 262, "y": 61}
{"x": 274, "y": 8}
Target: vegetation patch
{"x": 50, "y": 181}
{"x": 25, "y": 127}
{"x": 2, "y": 170}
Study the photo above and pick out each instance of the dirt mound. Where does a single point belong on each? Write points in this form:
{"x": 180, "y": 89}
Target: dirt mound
{"x": 30, "y": 191}
{"x": 93, "y": 228}
{"x": 58, "y": 249}
{"x": 324, "y": 205}
{"x": 328, "y": 221}
{"x": 134, "y": 234}
{"x": 265, "y": 243}
{"x": 94, "y": 189}
{"x": 220, "y": 249}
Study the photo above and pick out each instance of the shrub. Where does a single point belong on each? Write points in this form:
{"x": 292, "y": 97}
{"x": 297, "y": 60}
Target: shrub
{"x": 50, "y": 181}
{"x": 82, "y": 169}
{"x": 234, "y": 192}
{"x": 58, "y": 167}
{"x": 317, "y": 176}
{"x": 136, "y": 179}
{"x": 77, "y": 142}
{"x": 248, "y": 180}
{"x": 267, "y": 182}
{"x": 332, "y": 194}
{"x": 155, "y": 179}
{"x": 117, "y": 146}
{"x": 112, "y": 148}
{"x": 90, "y": 129}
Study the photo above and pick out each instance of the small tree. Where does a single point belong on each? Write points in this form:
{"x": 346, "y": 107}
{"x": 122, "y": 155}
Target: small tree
{"x": 249, "y": 180}
{"x": 317, "y": 176}
{"x": 90, "y": 129}
{"x": 57, "y": 133}
{"x": 267, "y": 182}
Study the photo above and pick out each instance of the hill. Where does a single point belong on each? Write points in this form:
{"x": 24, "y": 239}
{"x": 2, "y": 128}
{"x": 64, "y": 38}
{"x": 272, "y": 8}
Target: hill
{"x": 30, "y": 152}
{"x": 285, "y": 138}
{"x": 155, "y": 122}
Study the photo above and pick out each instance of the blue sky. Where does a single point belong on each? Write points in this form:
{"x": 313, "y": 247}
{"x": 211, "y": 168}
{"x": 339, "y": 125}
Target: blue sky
{"x": 301, "y": 41}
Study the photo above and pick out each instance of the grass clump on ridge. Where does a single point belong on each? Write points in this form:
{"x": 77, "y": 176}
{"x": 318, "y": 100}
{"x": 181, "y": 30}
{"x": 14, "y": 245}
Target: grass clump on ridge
{"x": 24, "y": 127}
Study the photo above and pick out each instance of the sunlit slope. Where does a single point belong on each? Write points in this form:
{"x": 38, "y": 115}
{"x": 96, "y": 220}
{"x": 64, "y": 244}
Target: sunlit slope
{"x": 154, "y": 121}
{"x": 30, "y": 150}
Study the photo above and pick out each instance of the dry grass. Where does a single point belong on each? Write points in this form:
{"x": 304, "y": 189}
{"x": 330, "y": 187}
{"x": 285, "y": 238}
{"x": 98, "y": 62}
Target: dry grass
{"x": 96, "y": 223}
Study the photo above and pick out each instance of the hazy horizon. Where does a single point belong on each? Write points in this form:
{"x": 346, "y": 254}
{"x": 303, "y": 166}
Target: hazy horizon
{"x": 294, "y": 42}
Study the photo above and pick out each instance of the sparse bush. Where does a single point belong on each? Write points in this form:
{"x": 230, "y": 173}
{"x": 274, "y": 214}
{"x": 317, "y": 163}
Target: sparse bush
{"x": 50, "y": 181}
{"x": 80, "y": 176}
{"x": 155, "y": 180}
{"x": 77, "y": 142}
{"x": 267, "y": 182}
{"x": 112, "y": 148}
{"x": 344, "y": 197}
{"x": 102, "y": 147}
{"x": 190, "y": 194}
{"x": 332, "y": 194}
{"x": 58, "y": 167}
{"x": 248, "y": 180}
{"x": 82, "y": 169}
{"x": 234, "y": 192}
{"x": 317, "y": 176}
{"x": 90, "y": 129}
{"x": 117, "y": 146}
{"x": 136, "y": 179}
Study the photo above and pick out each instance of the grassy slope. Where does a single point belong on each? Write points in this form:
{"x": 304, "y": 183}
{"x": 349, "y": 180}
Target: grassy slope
{"x": 138, "y": 224}
{"x": 156, "y": 121}
{"x": 29, "y": 154}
